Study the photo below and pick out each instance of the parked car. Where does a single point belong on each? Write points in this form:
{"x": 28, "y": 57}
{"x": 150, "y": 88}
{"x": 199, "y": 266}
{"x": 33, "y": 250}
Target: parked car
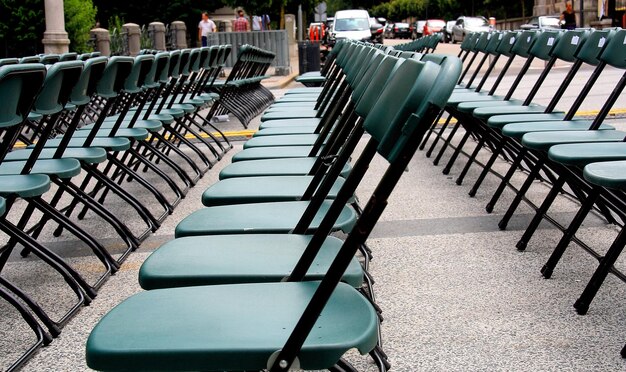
{"x": 418, "y": 29}
{"x": 400, "y": 31}
{"x": 352, "y": 25}
{"x": 447, "y": 32}
{"x": 465, "y": 25}
{"x": 434, "y": 26}
{"x": 542, "y": 23}
{"x": 377, "y": 30}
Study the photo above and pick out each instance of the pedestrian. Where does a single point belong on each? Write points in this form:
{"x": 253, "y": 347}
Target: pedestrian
{"x": 241, "y": 23}
{"x": 205, "y": 27}
{"x": 266, "y": 22}
{"x": 568, "y": 17}
{"x": 257, "y": 23}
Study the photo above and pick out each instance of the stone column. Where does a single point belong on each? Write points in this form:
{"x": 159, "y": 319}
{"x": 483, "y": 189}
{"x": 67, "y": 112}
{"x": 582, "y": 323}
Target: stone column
{"x": 180, "y": 34}
{"x": 133, "y": 35}
{"x": 290, "y": 26}
{"x": 55, "y": 38}
{"x": 103, "y": 40}
{"x": 157, "y": 30}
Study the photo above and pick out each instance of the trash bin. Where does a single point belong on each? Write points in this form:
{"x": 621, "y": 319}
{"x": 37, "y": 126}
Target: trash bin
{"x": 308, "y": 56}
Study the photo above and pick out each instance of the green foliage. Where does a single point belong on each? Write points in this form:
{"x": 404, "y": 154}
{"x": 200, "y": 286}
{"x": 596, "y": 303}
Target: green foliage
{"x": 21, "y": 27}
{"x": 80, "y": 18}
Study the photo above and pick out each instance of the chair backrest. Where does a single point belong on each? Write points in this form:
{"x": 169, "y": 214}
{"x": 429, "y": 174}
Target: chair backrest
{"x": 393, "y": 103}
{"x": 368, "y": 97}
{"x": 19, "y": 85}
{"x": 30, "y": 59}
{"x": 522, "y": 45}
{"x": 435, "y": 99}
{"x": 494, "y": 41}
{"x": 569, "y": 44}
{"x": 49, "y": 59}
{"x": 595, "y": 44}
{"x": 141, "y": 67}
{"x": 158, "y": 72}
{"x": 175, "y": 61}
{"x": 614, "y": 54}
{"x": 114, "y": 76}
{"x": 505, "y": 47}
{"x": 57, "y": 87}
{"x": 89, "y": 78}
{"x": 9, "y": 61}
{"x": 544, "y": 44}
{"x": 70, "y": 56}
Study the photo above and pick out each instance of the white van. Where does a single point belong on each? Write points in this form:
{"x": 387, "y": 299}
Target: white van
{"x": 352, "y": 25}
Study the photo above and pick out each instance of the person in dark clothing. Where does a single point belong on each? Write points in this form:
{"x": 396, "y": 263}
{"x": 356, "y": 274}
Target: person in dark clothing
{"x": 569, "y": 17}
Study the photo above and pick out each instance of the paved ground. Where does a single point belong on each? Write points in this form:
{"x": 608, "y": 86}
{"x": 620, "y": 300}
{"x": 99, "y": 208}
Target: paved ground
{"x": 455, "y": 292}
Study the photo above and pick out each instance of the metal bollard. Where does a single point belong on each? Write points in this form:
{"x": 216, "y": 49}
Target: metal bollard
{"x": 180, "y": 31}
{"x": 157, "y": 34}
{"x": 102, "y": 40}
{"x": 133, "y": 37}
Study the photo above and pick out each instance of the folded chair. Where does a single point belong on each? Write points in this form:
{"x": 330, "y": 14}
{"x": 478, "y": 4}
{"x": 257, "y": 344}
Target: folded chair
{"x": 309, "y": 325}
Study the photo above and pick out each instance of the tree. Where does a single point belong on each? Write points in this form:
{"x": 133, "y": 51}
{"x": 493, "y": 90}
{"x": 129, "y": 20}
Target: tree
{"x": 21, "y": 27}
{"x": 80, "y": 18}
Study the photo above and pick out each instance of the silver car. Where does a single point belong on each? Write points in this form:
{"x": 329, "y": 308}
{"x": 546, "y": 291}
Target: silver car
{"x": 465, "y": 25}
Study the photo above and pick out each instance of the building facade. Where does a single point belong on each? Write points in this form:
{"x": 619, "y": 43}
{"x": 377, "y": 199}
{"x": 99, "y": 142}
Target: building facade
{"x": 595, "y": 12}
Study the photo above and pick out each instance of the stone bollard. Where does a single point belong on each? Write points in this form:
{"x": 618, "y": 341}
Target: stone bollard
{"x": 102, "y": 40}
{"x": 180, "y": 34}
{"x": 157, "y": 32}
{"x": 133, "y": 37}
{"x": 290, "y": 26}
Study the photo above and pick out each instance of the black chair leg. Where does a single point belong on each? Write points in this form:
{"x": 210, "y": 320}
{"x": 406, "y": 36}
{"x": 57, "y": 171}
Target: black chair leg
{"x": 541, "y": 212}
{"x": 520, "y": 195}
{"x": 505, "y": 181}
{"x": 455, "y": 154}
{"x": 568, "y": 234}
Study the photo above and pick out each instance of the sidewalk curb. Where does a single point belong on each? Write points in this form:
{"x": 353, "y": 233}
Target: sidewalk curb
{"x": 283, "y": 82}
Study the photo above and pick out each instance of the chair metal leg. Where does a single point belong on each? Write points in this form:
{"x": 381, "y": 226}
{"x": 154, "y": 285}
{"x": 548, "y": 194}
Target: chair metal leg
{"x": 43, "y": 338}
{"x": 541, "y": 212}
{"x": 455, "y": 154}
{"x": 568, "y": 234}
{"x": 487, "y": 167}
{"x": 520, "y": 195}
{"x": 505, "y": 181}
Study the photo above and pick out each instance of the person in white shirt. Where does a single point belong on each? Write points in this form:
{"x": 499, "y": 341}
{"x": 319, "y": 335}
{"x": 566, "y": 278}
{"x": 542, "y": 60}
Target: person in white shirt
{"x": 257, "y": 23}
{"x": 205, "y": 27}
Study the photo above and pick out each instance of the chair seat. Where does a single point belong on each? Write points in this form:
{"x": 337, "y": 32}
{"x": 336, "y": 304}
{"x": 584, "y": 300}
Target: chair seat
{"x": 62, "y": 168}
{"x": 498, "y": 121}
{"x": 273, "y": 167}
{"x": 230, "y": 259}
{"x": 297, "y": 98}
{"x": 286, "y": 140}
{"x": 109, "y": 143}
{"x": 317, "y": 90}
{"x": 25, "y": 186}
{"x": 277, "y": 152}
{"x": 163, "y": 117}
{"x": 167, "y": 113}
{"x": 470, "y": 106}
{"x": 581, "y": 154}
{"x": 487, "y": 112}
{"x": 545, "y": 140}
{"x": 228, "y": 327}
{"x": 258, "y": 218}
{"x": 135, "y": 133}
{"x": 295, "y": 113}
{"x": 470, "y": 96}
{"x": 289, "y": 123}
{"x": 517, "y": 130}
{"x": 261, "y": 189}
{"x": 611, "y": 174}
{"x": 280, "y": 131}
{"x": 286, "y": 106}
{"x": 91, "y": 155}
{"x": 149, "y": 125}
